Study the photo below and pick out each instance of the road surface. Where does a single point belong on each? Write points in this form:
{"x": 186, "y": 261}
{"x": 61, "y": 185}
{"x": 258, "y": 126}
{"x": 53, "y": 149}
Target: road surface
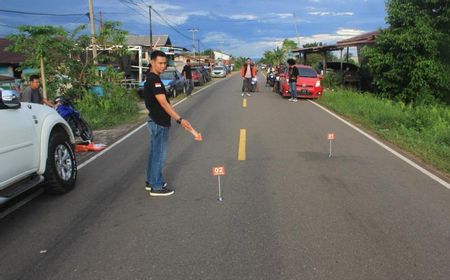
{"x": 289, "y": 211}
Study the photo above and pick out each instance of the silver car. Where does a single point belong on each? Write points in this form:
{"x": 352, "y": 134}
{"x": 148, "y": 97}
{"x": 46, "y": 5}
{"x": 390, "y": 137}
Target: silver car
{"x": 219, "y": 72}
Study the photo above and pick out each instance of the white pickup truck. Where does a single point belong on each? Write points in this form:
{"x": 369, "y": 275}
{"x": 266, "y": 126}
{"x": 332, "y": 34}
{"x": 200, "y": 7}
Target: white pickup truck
{"x": 36, "y": 145}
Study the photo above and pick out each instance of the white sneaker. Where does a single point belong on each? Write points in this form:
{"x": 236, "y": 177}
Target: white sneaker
{"x": 291, "y": 99}
{"x": 248, "y": 94}
{"x": 295, "y": 100}
{"x": 242, "y": 94}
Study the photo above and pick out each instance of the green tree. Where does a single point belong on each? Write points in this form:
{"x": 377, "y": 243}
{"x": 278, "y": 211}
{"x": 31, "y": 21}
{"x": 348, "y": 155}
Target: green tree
{"x": 288, "y": 45}
{"x": 208, "y": 52}
{"x": 45, "y": 48}
{"x": 409, "y": 60}
{"x": 63, "y": 54}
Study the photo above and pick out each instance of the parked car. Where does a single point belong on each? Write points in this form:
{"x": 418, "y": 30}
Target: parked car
{"x": 37, "y": 146}
{"x": 197, "y": 77}
{"x": 205, "y": 73}
{"x": 174, "y": 82}
{"x": 219, "y": 72}
{"x": 308, "y": 83}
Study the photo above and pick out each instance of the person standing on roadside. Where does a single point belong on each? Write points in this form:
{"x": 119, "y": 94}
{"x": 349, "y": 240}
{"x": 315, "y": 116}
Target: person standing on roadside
{"x": 247, "y": 72}
{"x": 187, "y": 73}
{"x": 33, "y": 93}
{"x": 293, "y": 73}
{"x": 159, "y": 122}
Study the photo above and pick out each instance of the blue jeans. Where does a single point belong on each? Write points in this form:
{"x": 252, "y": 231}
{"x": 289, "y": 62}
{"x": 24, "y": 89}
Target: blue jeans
{"x": 159, "y": 138}
{"x": 190, "y": 86}
{"x": 293, "y": 88}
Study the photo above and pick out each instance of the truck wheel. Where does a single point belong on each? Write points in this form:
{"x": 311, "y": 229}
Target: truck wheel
{"x": 61, "y": 167}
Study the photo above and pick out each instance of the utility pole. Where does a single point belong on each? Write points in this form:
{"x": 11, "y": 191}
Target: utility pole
{"x": 150, "y": 25}
{"x": 193, "y": 30}
{"x": 296, "y": 30}
{"x": 93, "y": 41}
{"x": 198, "y": 45}
{"x": 100, "y": 26}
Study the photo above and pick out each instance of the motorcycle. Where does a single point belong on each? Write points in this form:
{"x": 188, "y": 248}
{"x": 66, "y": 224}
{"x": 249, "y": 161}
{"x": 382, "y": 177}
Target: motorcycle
{"x": 270, "y": 80}
{"x": 79, "y": 126}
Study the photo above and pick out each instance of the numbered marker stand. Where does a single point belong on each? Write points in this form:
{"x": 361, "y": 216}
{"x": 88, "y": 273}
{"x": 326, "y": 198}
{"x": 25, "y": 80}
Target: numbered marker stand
{"x": 331, "y": 138}
{"x": 218, "y": 171}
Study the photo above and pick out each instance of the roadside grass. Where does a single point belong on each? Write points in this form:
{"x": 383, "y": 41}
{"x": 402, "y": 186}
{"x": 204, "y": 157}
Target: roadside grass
{"x": 423, "y": 130}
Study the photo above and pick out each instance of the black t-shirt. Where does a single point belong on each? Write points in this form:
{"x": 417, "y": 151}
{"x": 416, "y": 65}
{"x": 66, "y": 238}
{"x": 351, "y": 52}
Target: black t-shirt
{"x": 293, "y": 73}
{"x": 187, "y": 69}
{"x": 152, "y": 87}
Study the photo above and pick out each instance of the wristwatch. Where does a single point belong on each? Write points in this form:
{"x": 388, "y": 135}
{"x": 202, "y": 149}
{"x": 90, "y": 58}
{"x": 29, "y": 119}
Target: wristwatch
{"x": 179, "y": 120}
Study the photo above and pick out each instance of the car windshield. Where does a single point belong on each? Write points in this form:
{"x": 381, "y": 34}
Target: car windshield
{"x": 218, "y": 68}
{"x": 168, "y": 75}
{"x": 307, "y": 72}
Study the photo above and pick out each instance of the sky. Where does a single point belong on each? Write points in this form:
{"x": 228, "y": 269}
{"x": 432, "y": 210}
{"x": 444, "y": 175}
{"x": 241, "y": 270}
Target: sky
{"x": 241, "y": 27}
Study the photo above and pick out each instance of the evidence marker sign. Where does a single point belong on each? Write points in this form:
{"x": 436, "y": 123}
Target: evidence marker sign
{"x": 219, "y": 171}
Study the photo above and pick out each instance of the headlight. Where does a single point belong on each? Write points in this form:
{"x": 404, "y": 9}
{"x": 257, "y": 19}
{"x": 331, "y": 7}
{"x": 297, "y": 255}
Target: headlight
{"x": 318, "y": 83}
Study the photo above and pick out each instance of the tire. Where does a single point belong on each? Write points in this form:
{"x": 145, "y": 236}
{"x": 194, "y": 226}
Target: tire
{"x": 61, "y": 167}
{"x": 73, "y": 123}
{"x": 85, "y": 131}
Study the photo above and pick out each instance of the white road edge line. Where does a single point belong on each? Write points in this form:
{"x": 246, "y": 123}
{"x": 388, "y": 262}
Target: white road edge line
{"x": 140, "y": 127}
{"x": 397, "y": 154}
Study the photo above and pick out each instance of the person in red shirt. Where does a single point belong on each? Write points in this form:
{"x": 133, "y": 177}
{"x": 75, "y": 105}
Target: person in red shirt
{"x": 248, "y": 72}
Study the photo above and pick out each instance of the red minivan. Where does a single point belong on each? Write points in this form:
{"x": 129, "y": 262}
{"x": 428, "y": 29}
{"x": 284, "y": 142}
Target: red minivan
{"x": 308, "y": 83}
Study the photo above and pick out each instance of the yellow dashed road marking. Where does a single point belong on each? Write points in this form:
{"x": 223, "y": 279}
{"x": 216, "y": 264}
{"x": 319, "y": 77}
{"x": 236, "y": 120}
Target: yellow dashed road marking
{"x": 242, "y": 143}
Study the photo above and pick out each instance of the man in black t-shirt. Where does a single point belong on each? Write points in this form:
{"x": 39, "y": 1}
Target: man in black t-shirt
{"x": 293, "y": 74}
{"x": 187, "y": 73}
{"x": 160, "y": 113}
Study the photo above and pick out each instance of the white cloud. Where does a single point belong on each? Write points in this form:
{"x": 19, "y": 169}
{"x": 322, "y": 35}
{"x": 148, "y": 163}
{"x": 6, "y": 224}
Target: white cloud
{"x": 331, "y": 13}
{"x": 243, "y": 16}
{"x": 254, "y": 49}
{"x": 348, "y": 32}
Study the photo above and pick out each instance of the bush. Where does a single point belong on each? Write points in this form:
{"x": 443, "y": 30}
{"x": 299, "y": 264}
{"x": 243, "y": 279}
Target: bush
{"x": 117, "y": 106}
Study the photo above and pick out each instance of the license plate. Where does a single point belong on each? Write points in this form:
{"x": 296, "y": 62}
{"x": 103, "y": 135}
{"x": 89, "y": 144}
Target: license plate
{"x": 304, "y": 91}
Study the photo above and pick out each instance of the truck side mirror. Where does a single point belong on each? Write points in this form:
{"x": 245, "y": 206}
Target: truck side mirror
{"x": 9, "y": 99}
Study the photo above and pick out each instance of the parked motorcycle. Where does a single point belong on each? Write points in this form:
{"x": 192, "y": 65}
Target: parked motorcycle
{"x": 270, "y": 80}
{"x": 79, "y": 126}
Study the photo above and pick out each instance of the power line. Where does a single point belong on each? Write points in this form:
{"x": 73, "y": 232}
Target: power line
{"x": 39, "y": 14}
{"x": 176, "y": 30}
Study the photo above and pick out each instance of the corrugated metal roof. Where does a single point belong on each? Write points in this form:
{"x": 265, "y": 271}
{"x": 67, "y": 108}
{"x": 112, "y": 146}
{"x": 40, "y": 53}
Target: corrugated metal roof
{"x": 9, "y": 57}
{"x": 141, "y": 40}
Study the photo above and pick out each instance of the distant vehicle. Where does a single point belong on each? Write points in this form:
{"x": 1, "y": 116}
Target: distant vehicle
{"x": 37, "y": 145}
{"x": 219, "y": 72}
{"x": 205, "y": 73}
{"x": 174, "y": 82}
{"x": 308, "y": 83}
{"x": 197, "y": 77}
{"x": 270, "y": 79}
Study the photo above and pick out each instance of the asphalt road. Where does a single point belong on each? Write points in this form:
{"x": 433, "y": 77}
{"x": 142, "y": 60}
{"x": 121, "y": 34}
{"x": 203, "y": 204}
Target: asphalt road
{"x": 289, "y": 211}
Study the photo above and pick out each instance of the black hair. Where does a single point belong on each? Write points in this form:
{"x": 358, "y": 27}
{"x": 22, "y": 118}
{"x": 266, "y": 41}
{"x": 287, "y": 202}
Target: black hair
{"x": 34, "y": 77}
{"x": 291, "y": 61}
{"x": 188, "y": 60}
{"x": 155, "y": 54}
